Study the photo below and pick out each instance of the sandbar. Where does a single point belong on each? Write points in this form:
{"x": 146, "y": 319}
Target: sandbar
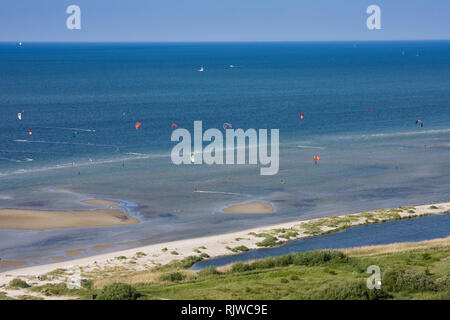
{"x": 100, "y": 202}
{"x": 20, "y": 219}
{"x": 253, "y": 207}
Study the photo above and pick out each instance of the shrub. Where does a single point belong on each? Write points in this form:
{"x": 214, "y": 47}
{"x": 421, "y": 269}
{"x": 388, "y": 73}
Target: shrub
{"x": 269, "y": 241}
{"x": 208, "y": 271}
{"x": 239, "y": 249}
{"x": 263, "y": 263}
{"x": 189, "y": 261}
{"x": 118, "y": 291}
{"x": 283, "y": 261}
{"x": 433, "y": 207}
{"x": 407, "y": 280}
{"x": 318, "y": 257}
{"x": 294, "y": 277}
{"x": 173, "y": 276}
{"x": 443, "y": 284}
{"x": 350, "y": 290}
{"x": 240, "y": 267}
{"x": 18, "y": 284}
{"x": 284, "y": 280}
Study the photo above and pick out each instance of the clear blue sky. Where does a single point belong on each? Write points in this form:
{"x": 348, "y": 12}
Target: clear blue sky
{"x": 223, "y": 20}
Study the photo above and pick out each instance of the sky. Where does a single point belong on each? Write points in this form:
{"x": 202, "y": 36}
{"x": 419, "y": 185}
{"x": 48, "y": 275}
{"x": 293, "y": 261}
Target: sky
{"x": 222, "y": 20}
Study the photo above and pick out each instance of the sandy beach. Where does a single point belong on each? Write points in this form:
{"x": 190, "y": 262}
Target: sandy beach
{"x": 142, "y": 258}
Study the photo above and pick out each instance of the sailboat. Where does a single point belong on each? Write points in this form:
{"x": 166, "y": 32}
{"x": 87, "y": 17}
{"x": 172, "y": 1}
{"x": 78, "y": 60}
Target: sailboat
{"x": 201, "y": 69}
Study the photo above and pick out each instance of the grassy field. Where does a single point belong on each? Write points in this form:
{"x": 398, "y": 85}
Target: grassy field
{"x": 409, "y": 271}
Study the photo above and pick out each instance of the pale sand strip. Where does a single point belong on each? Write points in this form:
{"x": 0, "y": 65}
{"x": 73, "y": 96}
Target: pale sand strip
{"x": 396, "y": 247}
{"x": 19, "y": 219}
{"x": 253, "y": 207}
{"x": 214, "y": 246}
{"x": 101, "y": 203}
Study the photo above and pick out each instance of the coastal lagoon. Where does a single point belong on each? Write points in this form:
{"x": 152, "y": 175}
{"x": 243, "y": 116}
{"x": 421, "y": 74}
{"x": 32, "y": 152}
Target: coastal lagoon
{"x": 360, "y": 103}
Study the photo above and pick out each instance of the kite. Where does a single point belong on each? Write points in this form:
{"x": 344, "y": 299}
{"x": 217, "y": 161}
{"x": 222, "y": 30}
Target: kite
{"x": 316, "y": 159}
{"x": 226, "y": 125}
{"x": 30, "y": 132}
{"x": 419, "y": 122}
{"x": 174, "y": 125}
{"x": 19, "y": 116}
{"x": 301, "y": 116}
{"x": 138, "y": 124}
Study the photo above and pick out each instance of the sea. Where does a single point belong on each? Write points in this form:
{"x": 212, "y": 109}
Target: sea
{"x": 79, "y": 104}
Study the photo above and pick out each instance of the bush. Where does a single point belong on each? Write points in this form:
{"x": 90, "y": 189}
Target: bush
{"x": 318, "y": 257}
{"x": 443, "y": 284}
{"x": 407, "y": 280}
{"x": 265, "y": 263}
{"x": 18, "y": 284}
{"x": 118, "y": 291}
{"x": 269, "y": 241}
{"x": 208, "y": 271}
{"x": 283, "y": 261}
{"x": 239, "y": 249}
{"x": 189, "y": 261}
{"x": 350, "y": 290}
{"x": 173, "y": 276}
{"x": 240, "y": 267}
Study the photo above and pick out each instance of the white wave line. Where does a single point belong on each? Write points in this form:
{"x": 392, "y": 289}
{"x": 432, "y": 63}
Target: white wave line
{"x": 69, "y": 143}
{"x": 63, "y": 128}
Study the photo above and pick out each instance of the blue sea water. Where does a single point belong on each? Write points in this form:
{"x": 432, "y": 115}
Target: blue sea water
{"x": 369, "y": 159}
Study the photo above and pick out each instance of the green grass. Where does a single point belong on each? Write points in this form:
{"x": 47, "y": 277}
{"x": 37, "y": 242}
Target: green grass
{"x": 321, "y": 274}
{"x": 315, "y": 275}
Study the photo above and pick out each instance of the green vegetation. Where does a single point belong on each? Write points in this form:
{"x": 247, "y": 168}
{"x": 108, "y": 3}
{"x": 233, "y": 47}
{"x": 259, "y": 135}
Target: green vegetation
{"x": 421, "y": 273}
{"x": 140, "y": 254}
{"x": 118, "y": 291}
{"x": 238, "y": 249}
{"x": 3, "y": 296}
{"x": 173, "y": 276}
{"x": 56, "y": 272}
{"x": 269, "y": 241}
{"x": 322, "y": 274}
{"x": 433, "y": 207}
{"x": 18, "y": 284}
{"x": 174, "y": 253}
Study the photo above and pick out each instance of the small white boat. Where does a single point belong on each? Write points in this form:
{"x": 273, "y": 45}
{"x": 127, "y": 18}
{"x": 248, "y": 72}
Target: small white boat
{"x": 192, "y": 157}
{"x": 201, "y": 69}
